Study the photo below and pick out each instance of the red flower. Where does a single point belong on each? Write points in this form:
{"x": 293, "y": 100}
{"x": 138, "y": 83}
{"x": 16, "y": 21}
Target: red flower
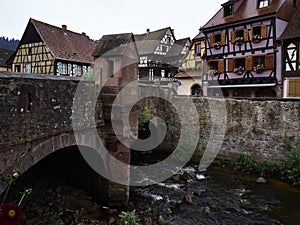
{"x": 11, "y": 214}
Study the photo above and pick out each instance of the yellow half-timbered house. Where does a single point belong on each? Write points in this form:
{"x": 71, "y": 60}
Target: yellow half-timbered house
{"x": 47, "y": 49}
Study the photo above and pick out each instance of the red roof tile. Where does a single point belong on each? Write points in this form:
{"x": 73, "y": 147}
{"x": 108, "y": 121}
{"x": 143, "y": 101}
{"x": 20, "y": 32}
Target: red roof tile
{"x": 65, "y": 44}
{"x": 245, "y": 9}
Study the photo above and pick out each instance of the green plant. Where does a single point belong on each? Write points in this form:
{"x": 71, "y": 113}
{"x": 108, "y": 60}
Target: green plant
{"x": 239, "y": 40}
{"x": 244, "y": 163}
{"x": 289, "y": 166}
{"x": 128, "y": 218}
{"x": 144, "y": 118}
{"x": 239, "y": 70}
{"x": 259, "y": 68}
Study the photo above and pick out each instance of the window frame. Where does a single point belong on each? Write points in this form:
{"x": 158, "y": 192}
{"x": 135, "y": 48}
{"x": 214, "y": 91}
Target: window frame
{"x": 261, "y": 4}
{"x": 228, "y": 10}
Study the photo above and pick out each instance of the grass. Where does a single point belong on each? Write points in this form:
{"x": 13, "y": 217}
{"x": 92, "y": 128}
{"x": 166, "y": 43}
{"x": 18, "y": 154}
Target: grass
{"x": 287, "y": 168}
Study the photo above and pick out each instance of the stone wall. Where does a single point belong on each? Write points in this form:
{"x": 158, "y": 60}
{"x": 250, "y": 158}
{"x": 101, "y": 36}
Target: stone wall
{"x": 263, "y": 128}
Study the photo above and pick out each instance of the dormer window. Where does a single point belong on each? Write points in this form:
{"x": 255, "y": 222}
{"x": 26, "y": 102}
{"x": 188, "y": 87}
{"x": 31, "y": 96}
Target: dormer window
{"x": 262, "y": 4}
{"x": 228, "y": 10}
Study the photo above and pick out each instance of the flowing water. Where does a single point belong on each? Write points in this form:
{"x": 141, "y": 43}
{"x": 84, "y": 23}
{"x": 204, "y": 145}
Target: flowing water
{"x": 215, "y": 196}
{"x": 219, "y": 196}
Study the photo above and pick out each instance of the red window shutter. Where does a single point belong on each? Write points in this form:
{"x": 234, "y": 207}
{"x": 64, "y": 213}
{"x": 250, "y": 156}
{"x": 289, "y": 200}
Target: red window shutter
{"x": 230, "y": 65}
{"x": 249, "y": 63}
{"x": 221, "y": 66}
{"x": 232, "y": 37}
{"x": 269, "y": 62}
{"x": 246, "y": 35}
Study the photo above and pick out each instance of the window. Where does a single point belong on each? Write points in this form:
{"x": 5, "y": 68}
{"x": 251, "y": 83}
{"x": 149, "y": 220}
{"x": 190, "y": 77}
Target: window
{"x": 70, "y": 72}
{"x": 64, "y": 68}
{"x": 111, "y": 68}
{"x": 228, "y": 10}
{"x": 59, "y": 68}
{"x": 217, "y": 40}
{"x": 294, "y": 88}
{"x": 259, "y": 32}
{"x": 75, "y": 70}
{"x": 239, "y": 65}
{"x": 17, "y": 68}
{"x": 216, "y": 67}
{"x": 28, "y": 68}
{"x": 79, "y": 71}
{"x": 262, "y": 3}
{"x": 239, "y": 36}
{"x": 198, "y": 49}
{"x": 258, "y": 63}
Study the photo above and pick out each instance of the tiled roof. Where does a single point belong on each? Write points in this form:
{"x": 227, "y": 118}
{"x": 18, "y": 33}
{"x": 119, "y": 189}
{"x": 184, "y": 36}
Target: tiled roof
{"x": 189, "y": 74}
{"x": 245, "y": 9}
{"x": 199, "y": 36}
{"x": 113, "y": 45}
{"x": 293, "y": 28}
{"x": 178, "y": 47}
{"x": 4, "y": 56}
{"x": 147, "y": 42}
{"x": 66, "y": 45}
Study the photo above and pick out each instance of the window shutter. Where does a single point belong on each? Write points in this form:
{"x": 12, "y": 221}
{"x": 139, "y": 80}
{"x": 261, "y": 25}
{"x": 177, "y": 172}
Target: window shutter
{"x": 269, "y": 62}
{"x": 221, "y": 66}
{"x": 230, "y": 65}
{"x": 232, "y": 37}
{"x": 211, "y": 40}
{"x": 223, "y": 41}
{"x": 249, "y": 63}
{"x": 246, "y": 35}
{"x": 263, "y": 31}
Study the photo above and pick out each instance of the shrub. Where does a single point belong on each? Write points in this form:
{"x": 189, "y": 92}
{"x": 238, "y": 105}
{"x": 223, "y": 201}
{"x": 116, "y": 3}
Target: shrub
{"x": 128, "y": 218}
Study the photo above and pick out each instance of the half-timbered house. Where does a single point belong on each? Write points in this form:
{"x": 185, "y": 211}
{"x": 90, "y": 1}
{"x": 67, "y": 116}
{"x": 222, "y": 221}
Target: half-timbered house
{"x": 291, "y": 58}
{"x": 156, "y": 58}
{"x": 190, "y": 78}
{"x": 47, "y": 49}
{"x": 242, "y": 48}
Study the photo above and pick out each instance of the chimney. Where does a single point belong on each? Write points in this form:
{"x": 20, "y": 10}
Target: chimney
{"x": 64, "y": 28}
{"x": 148, "y": 31}
{"x": 83, "y": 33}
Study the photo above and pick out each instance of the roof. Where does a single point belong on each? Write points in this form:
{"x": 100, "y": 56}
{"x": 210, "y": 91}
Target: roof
{"x": 245, "y": 9}
{"x": 4, "y": 56}
{"x": 198, "y": 36}
{"x": 189, "y": 74}
{"x": 178, "y": 46}
{"x": 65, "y": 44}
{"x": 113, "y": 45}
{"x": 147, "y": 42}
{"x": 293, "y": 28}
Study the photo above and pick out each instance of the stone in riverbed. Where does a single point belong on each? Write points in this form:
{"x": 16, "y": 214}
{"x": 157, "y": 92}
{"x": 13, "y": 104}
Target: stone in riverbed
{"x": 188, "y": 199}
{"x": 261, "y": 180}
{"x": 205, "y": 209}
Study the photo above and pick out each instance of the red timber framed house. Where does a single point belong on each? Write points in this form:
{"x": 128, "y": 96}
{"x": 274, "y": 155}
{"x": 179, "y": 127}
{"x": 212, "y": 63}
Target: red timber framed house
{"x": 291, "y": 58}
{"x": 159, "y": 54}
{"x": 46, "y": 49}
{"x": 243, "y": 51}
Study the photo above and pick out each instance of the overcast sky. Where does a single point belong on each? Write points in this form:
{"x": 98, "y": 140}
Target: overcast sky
{"x": 99, "y": 17}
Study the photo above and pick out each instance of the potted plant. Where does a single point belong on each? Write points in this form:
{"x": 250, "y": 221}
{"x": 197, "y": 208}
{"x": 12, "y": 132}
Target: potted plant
{"x": 239, "y": 70}
{"x": 259, "y": 68}
{"x": 239, "y": 40}
{"x": 256, "y": 38}
{"x": 217, "y": 45}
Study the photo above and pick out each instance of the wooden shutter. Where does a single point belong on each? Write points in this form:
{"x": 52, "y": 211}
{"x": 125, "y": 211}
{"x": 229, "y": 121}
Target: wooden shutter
{"x": 249, "y": 63}
{"x": 263, "y": 31}
{"x": 230, "y": 65}
{"x": 211, "y": 40}
{"x": 232, "y": 37}
{"x": 246, "y": 35}
{"x": 221, "y": 66}
{"x": 223, "y": 40}
{"x": 269, "y": 62}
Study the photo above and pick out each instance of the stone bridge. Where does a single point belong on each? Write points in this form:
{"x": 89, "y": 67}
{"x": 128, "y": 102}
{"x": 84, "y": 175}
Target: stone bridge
{"x": 36, "y": 121}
